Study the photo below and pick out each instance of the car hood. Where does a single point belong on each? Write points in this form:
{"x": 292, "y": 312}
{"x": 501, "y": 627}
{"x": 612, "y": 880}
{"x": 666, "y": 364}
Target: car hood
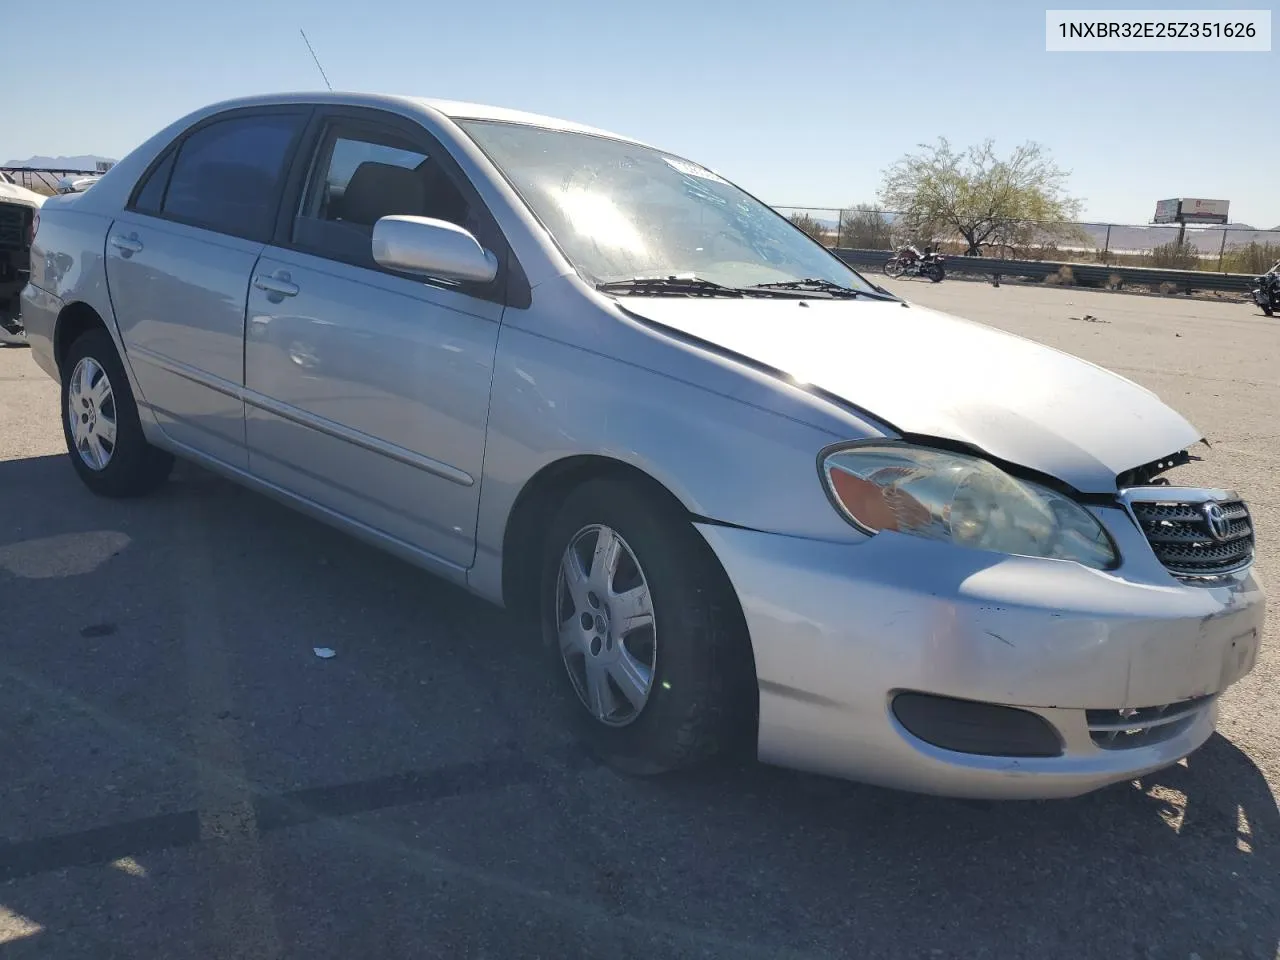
{"x": 12, "y": 193}
{"x": 928, "y": 374}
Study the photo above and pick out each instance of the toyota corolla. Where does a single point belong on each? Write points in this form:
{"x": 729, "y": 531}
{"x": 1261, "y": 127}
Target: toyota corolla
{"x": 751, "y": 498}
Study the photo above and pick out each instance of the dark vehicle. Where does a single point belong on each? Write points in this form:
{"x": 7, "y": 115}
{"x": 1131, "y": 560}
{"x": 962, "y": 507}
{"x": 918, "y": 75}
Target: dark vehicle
{"x": 19, "y": 210}
{"x": 1266, "y": 291}
{"x": 910, "y": 262}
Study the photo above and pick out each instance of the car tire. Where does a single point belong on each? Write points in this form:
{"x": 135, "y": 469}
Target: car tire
{"x": 701, "y": 696}
{"x": 100, "y": 422}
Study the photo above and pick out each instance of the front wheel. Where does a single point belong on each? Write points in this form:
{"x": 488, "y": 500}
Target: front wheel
{"x": 645, "y": 631}
{"x": 893, "y": 267}
{"x": 100, "y": 422}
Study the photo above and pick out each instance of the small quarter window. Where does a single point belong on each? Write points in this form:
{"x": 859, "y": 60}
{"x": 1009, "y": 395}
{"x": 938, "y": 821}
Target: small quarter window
{"x": 151, "y": 196}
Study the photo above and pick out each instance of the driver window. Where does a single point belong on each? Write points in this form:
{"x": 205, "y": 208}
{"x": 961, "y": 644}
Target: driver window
{"x": 359, "y": 178}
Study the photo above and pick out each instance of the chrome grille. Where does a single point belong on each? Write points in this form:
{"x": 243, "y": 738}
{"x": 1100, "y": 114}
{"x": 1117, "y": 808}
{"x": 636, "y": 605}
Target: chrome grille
{"x": 13, "y": 226}
{"x": 1180, "y": 526}
{"x": 1142, "y": 726}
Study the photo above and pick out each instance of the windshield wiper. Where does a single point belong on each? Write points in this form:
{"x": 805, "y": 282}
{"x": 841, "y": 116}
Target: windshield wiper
{"x": 690, "y": 287}
{"x": 676, "y": 286}
{"x": 822, "y": 286}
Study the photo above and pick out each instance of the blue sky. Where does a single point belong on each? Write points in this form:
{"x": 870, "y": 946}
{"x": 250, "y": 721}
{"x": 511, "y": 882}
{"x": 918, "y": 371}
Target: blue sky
{"x": 802, "y": 102}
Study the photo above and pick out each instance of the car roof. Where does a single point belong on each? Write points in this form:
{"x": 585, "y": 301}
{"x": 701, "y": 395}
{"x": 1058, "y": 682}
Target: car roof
{"x": 111, "y": 191}
{"x": 452, "y": 109}
{"x": 461, "y": 110}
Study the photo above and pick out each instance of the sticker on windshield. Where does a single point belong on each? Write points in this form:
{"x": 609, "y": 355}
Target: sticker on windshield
{"x": 693, "y": 170}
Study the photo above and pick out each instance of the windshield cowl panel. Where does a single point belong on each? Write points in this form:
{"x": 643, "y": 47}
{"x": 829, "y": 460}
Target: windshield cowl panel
{"x": 620, "y": 210}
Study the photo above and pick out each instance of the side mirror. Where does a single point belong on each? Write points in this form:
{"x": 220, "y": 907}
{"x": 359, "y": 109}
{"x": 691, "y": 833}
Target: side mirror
{"x": 433, "y": 248}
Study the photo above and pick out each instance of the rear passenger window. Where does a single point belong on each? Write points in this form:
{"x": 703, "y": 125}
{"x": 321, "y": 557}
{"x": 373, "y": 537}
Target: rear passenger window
{"x": 151, "y": 196}
{"x": 228, "y": 174}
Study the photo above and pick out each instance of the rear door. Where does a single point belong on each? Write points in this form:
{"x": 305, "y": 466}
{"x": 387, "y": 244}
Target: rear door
{"x": 368, "y": 390}
{"x": 179, "y": 261}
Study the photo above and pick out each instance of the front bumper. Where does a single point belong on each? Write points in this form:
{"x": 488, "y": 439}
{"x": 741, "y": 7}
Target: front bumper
{"x": 10, "y": 314}
{"x": 839, "y": 629}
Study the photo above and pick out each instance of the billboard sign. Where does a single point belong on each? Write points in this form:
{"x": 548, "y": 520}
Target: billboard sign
{"x": 104, "y": 165}
{"x": 1167, "y": 211}
{"x": 1191, "y": 210}
{"x": 1204, "y": 211}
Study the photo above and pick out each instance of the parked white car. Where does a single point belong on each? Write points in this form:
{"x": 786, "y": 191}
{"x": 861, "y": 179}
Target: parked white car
{"x": 751, "y": 497}
{"x": 77, "y": 183}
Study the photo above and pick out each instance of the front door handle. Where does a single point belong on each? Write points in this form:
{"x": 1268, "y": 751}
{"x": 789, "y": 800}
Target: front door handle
{"x": 127, "y": 245}
{"x": 276, "y": 285}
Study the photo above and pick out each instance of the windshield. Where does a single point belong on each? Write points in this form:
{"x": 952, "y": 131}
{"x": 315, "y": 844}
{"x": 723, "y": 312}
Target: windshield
{"x": 620, "y": 210}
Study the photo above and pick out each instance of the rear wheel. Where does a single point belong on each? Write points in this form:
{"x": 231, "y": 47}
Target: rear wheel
{"x": 935, "y": 272}
{"x": 645, "y": 631}
{"x": 100, "y": 422}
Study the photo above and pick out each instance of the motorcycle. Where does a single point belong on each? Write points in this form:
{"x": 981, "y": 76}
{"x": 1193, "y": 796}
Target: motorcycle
{"x": 12, "y": 333}
{"x": 1266, "y": 293}
{"x": 910, "y": 263}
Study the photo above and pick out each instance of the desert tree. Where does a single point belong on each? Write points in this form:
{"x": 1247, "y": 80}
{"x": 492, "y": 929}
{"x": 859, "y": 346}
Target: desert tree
{"x": 810, "y": 225}
{"x": 980, "y": 196}
{"x": 865, "y": 227}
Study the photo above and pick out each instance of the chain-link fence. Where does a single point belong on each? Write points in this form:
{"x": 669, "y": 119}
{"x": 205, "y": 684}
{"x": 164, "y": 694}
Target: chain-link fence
{"x": 1230, "y": 249}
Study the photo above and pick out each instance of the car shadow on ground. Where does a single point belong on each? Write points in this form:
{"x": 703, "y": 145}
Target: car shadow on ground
{"x": 739, "y": 860}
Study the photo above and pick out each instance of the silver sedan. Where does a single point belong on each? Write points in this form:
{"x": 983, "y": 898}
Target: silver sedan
{"x": 754, "y": 500}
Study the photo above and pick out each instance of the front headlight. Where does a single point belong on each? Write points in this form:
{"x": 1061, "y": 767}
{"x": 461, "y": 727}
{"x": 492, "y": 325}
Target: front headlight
{"x": 962, "y": 500}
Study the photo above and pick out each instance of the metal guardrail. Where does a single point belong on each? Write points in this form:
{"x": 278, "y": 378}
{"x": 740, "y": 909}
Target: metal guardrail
{"x": 1083, "y": 274}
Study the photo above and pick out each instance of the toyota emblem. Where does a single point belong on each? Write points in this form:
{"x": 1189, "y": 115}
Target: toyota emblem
{"x": 1215, "y": 518}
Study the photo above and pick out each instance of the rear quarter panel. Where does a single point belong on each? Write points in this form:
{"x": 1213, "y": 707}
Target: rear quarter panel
{"x": 68, "y": 266}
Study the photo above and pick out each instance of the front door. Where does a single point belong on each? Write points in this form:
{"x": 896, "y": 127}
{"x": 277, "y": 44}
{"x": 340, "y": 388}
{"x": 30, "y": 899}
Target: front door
{"x": 368, "y": 391}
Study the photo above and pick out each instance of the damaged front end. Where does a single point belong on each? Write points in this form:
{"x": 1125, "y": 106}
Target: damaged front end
{"x": 1201, "y": 535}
{"x": 19, "y": 217}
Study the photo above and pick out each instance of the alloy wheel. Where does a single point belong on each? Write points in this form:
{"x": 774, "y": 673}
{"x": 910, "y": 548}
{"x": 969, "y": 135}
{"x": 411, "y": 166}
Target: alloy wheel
{"x": 91, "y": 414}
{"x": 605, "y": 624}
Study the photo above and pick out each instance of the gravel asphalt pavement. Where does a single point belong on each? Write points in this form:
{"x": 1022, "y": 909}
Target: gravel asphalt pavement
{"x": 182, "y": 777}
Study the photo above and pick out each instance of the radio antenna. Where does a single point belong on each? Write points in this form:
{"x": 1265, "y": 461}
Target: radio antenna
{"x": 316, "y": 59}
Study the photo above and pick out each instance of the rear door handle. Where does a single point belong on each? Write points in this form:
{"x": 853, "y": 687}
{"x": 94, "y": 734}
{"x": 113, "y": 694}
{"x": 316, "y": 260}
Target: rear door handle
{"x": 127, "y": 245}
{"x": 277, "y": 284}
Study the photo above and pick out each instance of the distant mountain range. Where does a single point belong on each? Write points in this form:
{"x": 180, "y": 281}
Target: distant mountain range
{"x": 83, "y": 162}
